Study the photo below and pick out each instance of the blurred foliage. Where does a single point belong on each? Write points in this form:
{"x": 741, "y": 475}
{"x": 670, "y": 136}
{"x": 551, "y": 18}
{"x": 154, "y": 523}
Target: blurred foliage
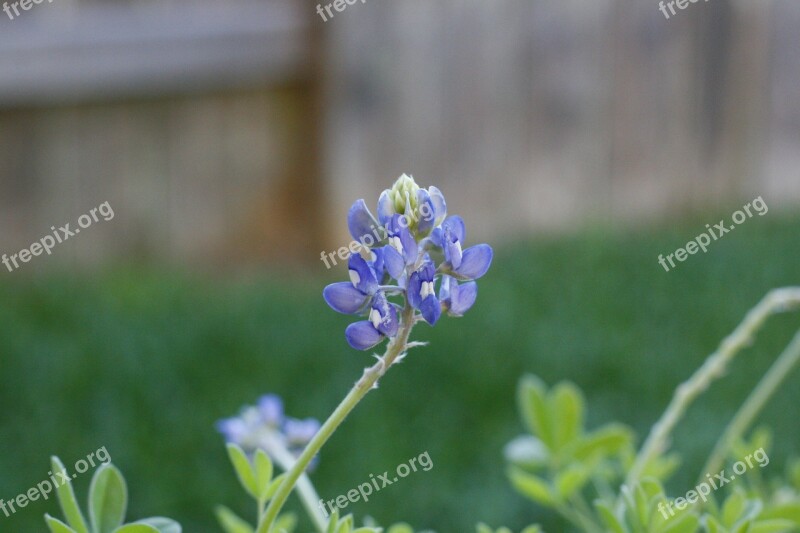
{"x": 145, "y": 362}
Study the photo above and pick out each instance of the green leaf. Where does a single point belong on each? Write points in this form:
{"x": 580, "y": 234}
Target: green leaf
{"x": 136, "y": 528}
{"x": 56, "y": 525}
{"x": 637, "y": 509}
{"x": 608, "y": 440}
{"x": 108, "y": 499}
{"x": 662, "y": 466}
{"x": 481, "y": 528}
{"x": 163, "y": 525}
{"x": 652, "y": 489}
{"x": 567, "y": 406}
{"x": 285, "y": 522}
{"x": 532, "y": 529}
{"x": 687, "y": 523}
{"x": 787, "y": 511}
{"x": 732, "y": 509}
{"x": 737, "y": 510}
{"x": 401, "y": 528}
{"x": 571, "y": 480}
{"x": 345, "y": 525}
{"x": 230, "y": 522}
{"x": 243, "y": 469}
{"x": 333, "y": 521}
{"x": 535, "y": 411}
{"x": 66, "y": 498}
{"x": 642, "y": 505}
{"x": 713, "y": 525}
{"x": 273, "y": 486}
{"x": 263, "y": 468}
{"x": 609, "y": 519}
{"x": 532, "y": 486}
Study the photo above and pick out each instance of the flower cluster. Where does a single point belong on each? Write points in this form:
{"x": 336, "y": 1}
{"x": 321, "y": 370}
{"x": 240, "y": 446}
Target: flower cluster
{"x": 415, "y": 226}
{"x": 264, "y": 426}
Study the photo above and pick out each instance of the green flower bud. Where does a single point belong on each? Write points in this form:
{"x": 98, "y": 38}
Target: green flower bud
{"x": 404, "y": 194}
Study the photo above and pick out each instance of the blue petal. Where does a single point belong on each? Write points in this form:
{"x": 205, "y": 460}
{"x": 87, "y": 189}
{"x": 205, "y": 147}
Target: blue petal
{"x": 300, "y": 432}
{"x": 437, "y": 236}
{"x": 385, "y": 207}
{"x": 344, "y": 298}
{"x": 388, "y": 324}
{"x": 452, "y": 249}
{"x": 426, "y": 214}
{"x": 362, "y": 275}
{"x": 413, "y": 290}
{"x": 394, "y": 262}
{"x": 475, "y": 262}
{"x": 462, "y": 297}
{"x": 425, "y": 273}
{"x": 362, "y": 336}
{"x": 427, "y": 270}
{"x": 233, "y": 429}
{"x": 398, "y": 227}
{"x": 456, "y": 225}
{"x": 270, "y": 407}
{"x": 439, "y": 205}
{"x": 360, "y": 221}
{"x": 377, "y": 263}
{"x": 431, "y": 309}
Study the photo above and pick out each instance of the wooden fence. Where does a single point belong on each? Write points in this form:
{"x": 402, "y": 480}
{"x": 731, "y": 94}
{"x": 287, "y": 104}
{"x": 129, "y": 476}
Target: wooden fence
{"x": 244, "y": 130}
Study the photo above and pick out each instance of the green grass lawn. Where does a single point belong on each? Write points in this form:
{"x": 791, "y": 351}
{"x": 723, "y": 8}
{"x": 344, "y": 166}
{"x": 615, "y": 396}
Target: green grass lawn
{"x": 145, "y": 363}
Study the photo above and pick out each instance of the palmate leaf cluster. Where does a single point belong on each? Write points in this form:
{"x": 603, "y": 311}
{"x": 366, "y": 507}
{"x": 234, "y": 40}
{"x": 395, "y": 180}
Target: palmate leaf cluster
{"x": 562, "y": 466}
{"x": 108, "y": 502}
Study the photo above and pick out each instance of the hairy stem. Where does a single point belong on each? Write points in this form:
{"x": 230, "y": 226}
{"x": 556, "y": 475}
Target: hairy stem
{"x": 754, "y": 403}
{"x": 396, "y": 347}
{"x": 776, "y": 301}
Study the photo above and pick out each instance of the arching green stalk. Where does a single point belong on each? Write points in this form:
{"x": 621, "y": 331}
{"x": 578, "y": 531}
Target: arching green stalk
{"x": 396, "y": 348}
{"x": 754, "y": 403}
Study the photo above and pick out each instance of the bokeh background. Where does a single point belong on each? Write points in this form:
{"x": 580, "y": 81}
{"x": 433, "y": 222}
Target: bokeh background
{"x": 581, "y": 139}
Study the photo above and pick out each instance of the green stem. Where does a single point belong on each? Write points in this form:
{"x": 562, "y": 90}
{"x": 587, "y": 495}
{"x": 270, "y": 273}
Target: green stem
{"x": 657, "y": 442}
{"x": 754, "y": 403}
{"x": 367, "y": 382}
{"x": 305, "y": 489}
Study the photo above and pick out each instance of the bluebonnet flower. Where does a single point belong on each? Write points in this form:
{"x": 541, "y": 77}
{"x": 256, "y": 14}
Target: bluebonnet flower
{"x": 457, "y": 298}
{"x": 349, "y": 297}
{"x": 468, "y": 264}
{"x": 381, "y": 322}
{"x": 402, "y": 250}
{"x": 265, "y": 426}
{"x": 421, "y": 293}
{"x": 414, "y": 226}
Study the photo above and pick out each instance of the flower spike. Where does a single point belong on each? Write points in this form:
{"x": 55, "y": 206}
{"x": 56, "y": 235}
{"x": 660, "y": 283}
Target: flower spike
{"x": 415, "y": 227}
